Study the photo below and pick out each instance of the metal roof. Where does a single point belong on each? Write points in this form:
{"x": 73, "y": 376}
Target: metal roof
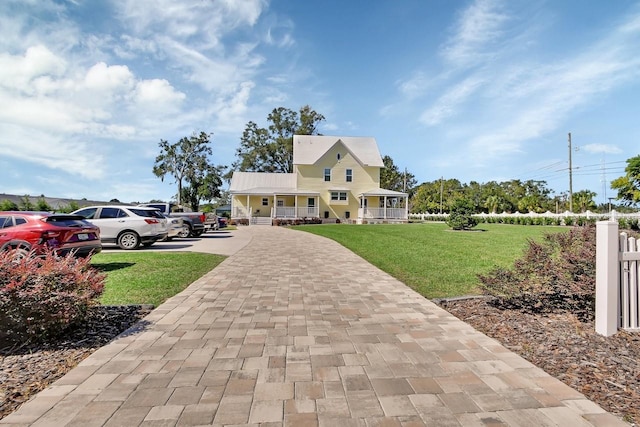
{"x": 308, "y": 149}
{"x": 265, "y": 183}
{"x": 383, "y": 192}
{"x": 243, "y": 181}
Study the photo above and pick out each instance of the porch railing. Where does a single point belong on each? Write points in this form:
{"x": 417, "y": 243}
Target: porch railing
{"x": 382, "y": 213}
{"x": 293, "y": 212}
{"x": 240, "y": 212}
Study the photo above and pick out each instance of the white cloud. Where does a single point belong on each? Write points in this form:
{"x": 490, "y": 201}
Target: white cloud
{"x": 74, "y": 156}
{"x": 480, "y": 25}
{"x": 18, "y": 71}
{"x": 157, "y": 93}
{"x": 104, "y": 78}
{"x": 446, "y": 105}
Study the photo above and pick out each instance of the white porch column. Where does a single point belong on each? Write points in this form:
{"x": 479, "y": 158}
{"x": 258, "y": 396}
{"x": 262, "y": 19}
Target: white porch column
{"x": 607, "y": 266}
{"x": 247, "y": 210}
{"x": 274, "y": 211}
{"x": 385, "y": 207}
{"x": 406, "y": 207}
{"x": 295, "y": 205}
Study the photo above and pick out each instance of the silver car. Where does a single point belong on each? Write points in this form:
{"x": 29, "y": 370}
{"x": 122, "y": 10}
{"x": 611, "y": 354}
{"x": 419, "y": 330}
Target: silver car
{"x": 127, "y": 226}
{"x": 176, "y": 226}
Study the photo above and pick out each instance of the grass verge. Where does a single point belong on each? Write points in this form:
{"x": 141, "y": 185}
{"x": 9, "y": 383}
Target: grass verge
{"x": 150, "y": 278}
{"x": 431, "y": 258}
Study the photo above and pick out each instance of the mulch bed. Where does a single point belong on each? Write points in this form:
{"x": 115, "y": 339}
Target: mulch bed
{"x": 605, "y": 369}
{"x": 27, "y": 369}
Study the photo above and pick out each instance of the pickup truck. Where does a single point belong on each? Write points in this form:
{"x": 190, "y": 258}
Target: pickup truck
{"x": 193, "y": 221}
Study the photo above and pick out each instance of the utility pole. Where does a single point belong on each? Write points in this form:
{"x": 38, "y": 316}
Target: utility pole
{"x": 441, "y": 191}
{"x": 404, "y": 185}
{"x": 570, "y": 178}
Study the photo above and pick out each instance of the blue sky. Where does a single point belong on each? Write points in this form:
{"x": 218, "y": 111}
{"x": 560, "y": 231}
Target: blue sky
{"x": 477, "y": 90}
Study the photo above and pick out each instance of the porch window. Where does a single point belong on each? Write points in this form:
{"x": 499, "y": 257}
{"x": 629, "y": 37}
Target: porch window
{"x": 265, "y": 201}
{"x": 349, "y": 175}
{"x": 339, "y": 195}
{"x": 327, "y": 174}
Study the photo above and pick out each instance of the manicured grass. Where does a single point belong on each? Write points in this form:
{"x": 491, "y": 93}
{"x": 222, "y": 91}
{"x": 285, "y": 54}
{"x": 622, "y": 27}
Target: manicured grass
{"x": 150, "y": 278}
{"x": 431, "y": 258}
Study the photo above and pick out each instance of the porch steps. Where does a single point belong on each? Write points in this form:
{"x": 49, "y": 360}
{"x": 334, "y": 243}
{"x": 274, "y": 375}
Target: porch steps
{"x": 260, "y": 220}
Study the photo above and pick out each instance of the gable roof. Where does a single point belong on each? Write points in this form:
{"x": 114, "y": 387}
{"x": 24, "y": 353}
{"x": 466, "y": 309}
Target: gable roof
{"x": 308, "y": 149}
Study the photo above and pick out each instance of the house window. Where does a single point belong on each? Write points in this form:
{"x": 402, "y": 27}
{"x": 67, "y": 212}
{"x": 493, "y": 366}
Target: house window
{"x": 265, "y": 201}
{"x": 327, "y": 174}
{"x": 339, "y": 195}
{"x": 349, "y": 175}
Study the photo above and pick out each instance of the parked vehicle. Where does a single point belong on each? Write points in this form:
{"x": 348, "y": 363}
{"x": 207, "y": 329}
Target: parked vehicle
{"x": 222, "y": 222}
{"x": 211, "y": 222}
{"x": 39, "y": 231}
{"x": 127, "y": 226}
{"x": 193, "y": 220}
{"x": 175, "y": 225}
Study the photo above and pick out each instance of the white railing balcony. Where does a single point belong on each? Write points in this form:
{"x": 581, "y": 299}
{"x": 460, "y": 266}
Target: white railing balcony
{"x": 292, "y": 212}
{"x": 285, "y": 212}
{"x": 308, "y": 212}
{"x": 240, "y": 212}
{"x": 382, "y": 213}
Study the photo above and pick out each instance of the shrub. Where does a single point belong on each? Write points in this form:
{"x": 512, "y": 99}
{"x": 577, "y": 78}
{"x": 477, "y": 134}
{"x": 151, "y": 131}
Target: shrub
{"x": 557, "y": 274}
{"x": 41, "y": 296}
{"x": 461, "y": 215}
{"x": 303, "y": 221}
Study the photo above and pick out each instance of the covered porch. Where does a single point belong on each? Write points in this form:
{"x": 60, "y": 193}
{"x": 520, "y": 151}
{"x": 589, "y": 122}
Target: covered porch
{"x": 388, "y": 206}
{"x": 289, "y": 204}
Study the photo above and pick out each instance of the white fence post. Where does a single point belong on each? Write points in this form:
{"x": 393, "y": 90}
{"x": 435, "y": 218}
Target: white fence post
{"x": 607, "y": 286}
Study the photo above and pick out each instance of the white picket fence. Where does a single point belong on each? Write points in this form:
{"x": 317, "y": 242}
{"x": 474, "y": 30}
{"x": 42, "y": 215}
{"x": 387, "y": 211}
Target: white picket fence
{"x": 588, "y": 215}
{"x": 617, "y": 280}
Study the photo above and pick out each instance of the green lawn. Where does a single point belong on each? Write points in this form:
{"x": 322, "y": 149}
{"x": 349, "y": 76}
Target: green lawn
{"x": 431, "y": 258}
{"x": 150, "y": 278}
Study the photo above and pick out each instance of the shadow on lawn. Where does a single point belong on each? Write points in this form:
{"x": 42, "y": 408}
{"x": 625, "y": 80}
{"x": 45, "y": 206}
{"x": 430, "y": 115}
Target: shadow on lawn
{"x": 105, "y": 267}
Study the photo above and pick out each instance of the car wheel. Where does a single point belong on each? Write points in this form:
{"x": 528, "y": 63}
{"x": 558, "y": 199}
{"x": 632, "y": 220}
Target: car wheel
{"x": 18, "y": 254}
{"x": 128, "y": 240}
{"x": 185, "y": 232}
{"x": 197, "y": 233}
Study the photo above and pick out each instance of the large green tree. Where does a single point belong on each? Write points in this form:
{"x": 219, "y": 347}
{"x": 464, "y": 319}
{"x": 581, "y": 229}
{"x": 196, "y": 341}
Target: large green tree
{"x": 392, "y": 178}
{"x": 188, "y": 162}
{"x": 271, "y": 149}
{"x": 628, "y": 186}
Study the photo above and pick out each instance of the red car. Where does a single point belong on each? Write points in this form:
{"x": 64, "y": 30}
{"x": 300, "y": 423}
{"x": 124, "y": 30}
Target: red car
{"x": 41, "y": 230}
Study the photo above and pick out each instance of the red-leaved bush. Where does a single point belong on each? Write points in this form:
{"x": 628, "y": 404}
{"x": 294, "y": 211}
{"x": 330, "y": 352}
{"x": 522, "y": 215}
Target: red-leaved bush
{"x": 555, "y": 274}
{"x": 41, "y": 296}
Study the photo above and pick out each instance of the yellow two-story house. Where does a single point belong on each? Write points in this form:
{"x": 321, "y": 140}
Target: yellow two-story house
{"x": 334, "y": 178}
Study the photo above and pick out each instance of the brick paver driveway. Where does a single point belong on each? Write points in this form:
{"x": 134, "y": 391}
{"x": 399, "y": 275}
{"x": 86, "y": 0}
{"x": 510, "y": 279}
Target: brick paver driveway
{"x": 295, "y": 330}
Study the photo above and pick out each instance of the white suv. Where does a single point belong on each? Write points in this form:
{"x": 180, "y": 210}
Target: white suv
{"x": 126, "y": 226}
